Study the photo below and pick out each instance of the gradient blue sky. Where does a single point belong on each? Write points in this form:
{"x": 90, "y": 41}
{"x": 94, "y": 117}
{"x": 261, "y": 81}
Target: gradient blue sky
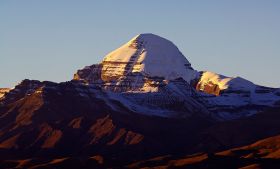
{"x": 51, "y": 39}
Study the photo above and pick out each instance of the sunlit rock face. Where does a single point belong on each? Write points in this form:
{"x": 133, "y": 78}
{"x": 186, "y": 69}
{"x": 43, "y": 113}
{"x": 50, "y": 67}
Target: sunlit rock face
{"x": 210, "y": 88}
{"x": 3, "y": 91}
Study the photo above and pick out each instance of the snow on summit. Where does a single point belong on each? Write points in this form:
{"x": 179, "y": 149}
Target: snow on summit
{"x": 151, "y": 55}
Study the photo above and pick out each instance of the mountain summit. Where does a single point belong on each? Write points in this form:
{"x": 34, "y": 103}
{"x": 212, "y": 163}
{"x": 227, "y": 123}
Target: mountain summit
{"x": 148, "y": 55}
{"x": 151, "y": 55}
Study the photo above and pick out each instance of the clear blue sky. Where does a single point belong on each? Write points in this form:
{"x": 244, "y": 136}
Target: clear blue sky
{"x": 51, "y": 39}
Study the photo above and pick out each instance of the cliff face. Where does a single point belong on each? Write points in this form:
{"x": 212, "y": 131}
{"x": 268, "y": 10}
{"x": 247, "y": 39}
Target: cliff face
{"x": 209, "y": 88}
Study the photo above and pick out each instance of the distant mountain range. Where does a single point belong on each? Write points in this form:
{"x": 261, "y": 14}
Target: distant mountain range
{"x": 142, "y": 106}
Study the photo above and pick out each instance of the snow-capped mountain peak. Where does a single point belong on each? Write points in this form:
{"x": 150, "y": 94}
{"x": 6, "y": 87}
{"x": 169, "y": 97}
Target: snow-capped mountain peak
{"x": 150, "y": 55}
{"x": 149, "y": 75}
{"x": 150, "y": 69}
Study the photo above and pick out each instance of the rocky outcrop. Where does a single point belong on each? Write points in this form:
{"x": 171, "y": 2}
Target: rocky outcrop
{"x": 89, "y": 74}
{"x": 3, "y": 91}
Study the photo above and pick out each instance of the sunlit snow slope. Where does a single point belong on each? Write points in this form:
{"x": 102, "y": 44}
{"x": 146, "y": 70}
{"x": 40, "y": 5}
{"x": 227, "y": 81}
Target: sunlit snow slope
{"x": 151, "y": 55}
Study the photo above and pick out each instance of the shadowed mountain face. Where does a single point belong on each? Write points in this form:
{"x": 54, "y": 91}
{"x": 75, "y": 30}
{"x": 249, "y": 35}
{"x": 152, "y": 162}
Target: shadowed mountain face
{"x": 55, "y": 124}
{"x": 56, "y": 119}
{"x": 142, "y": 106}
